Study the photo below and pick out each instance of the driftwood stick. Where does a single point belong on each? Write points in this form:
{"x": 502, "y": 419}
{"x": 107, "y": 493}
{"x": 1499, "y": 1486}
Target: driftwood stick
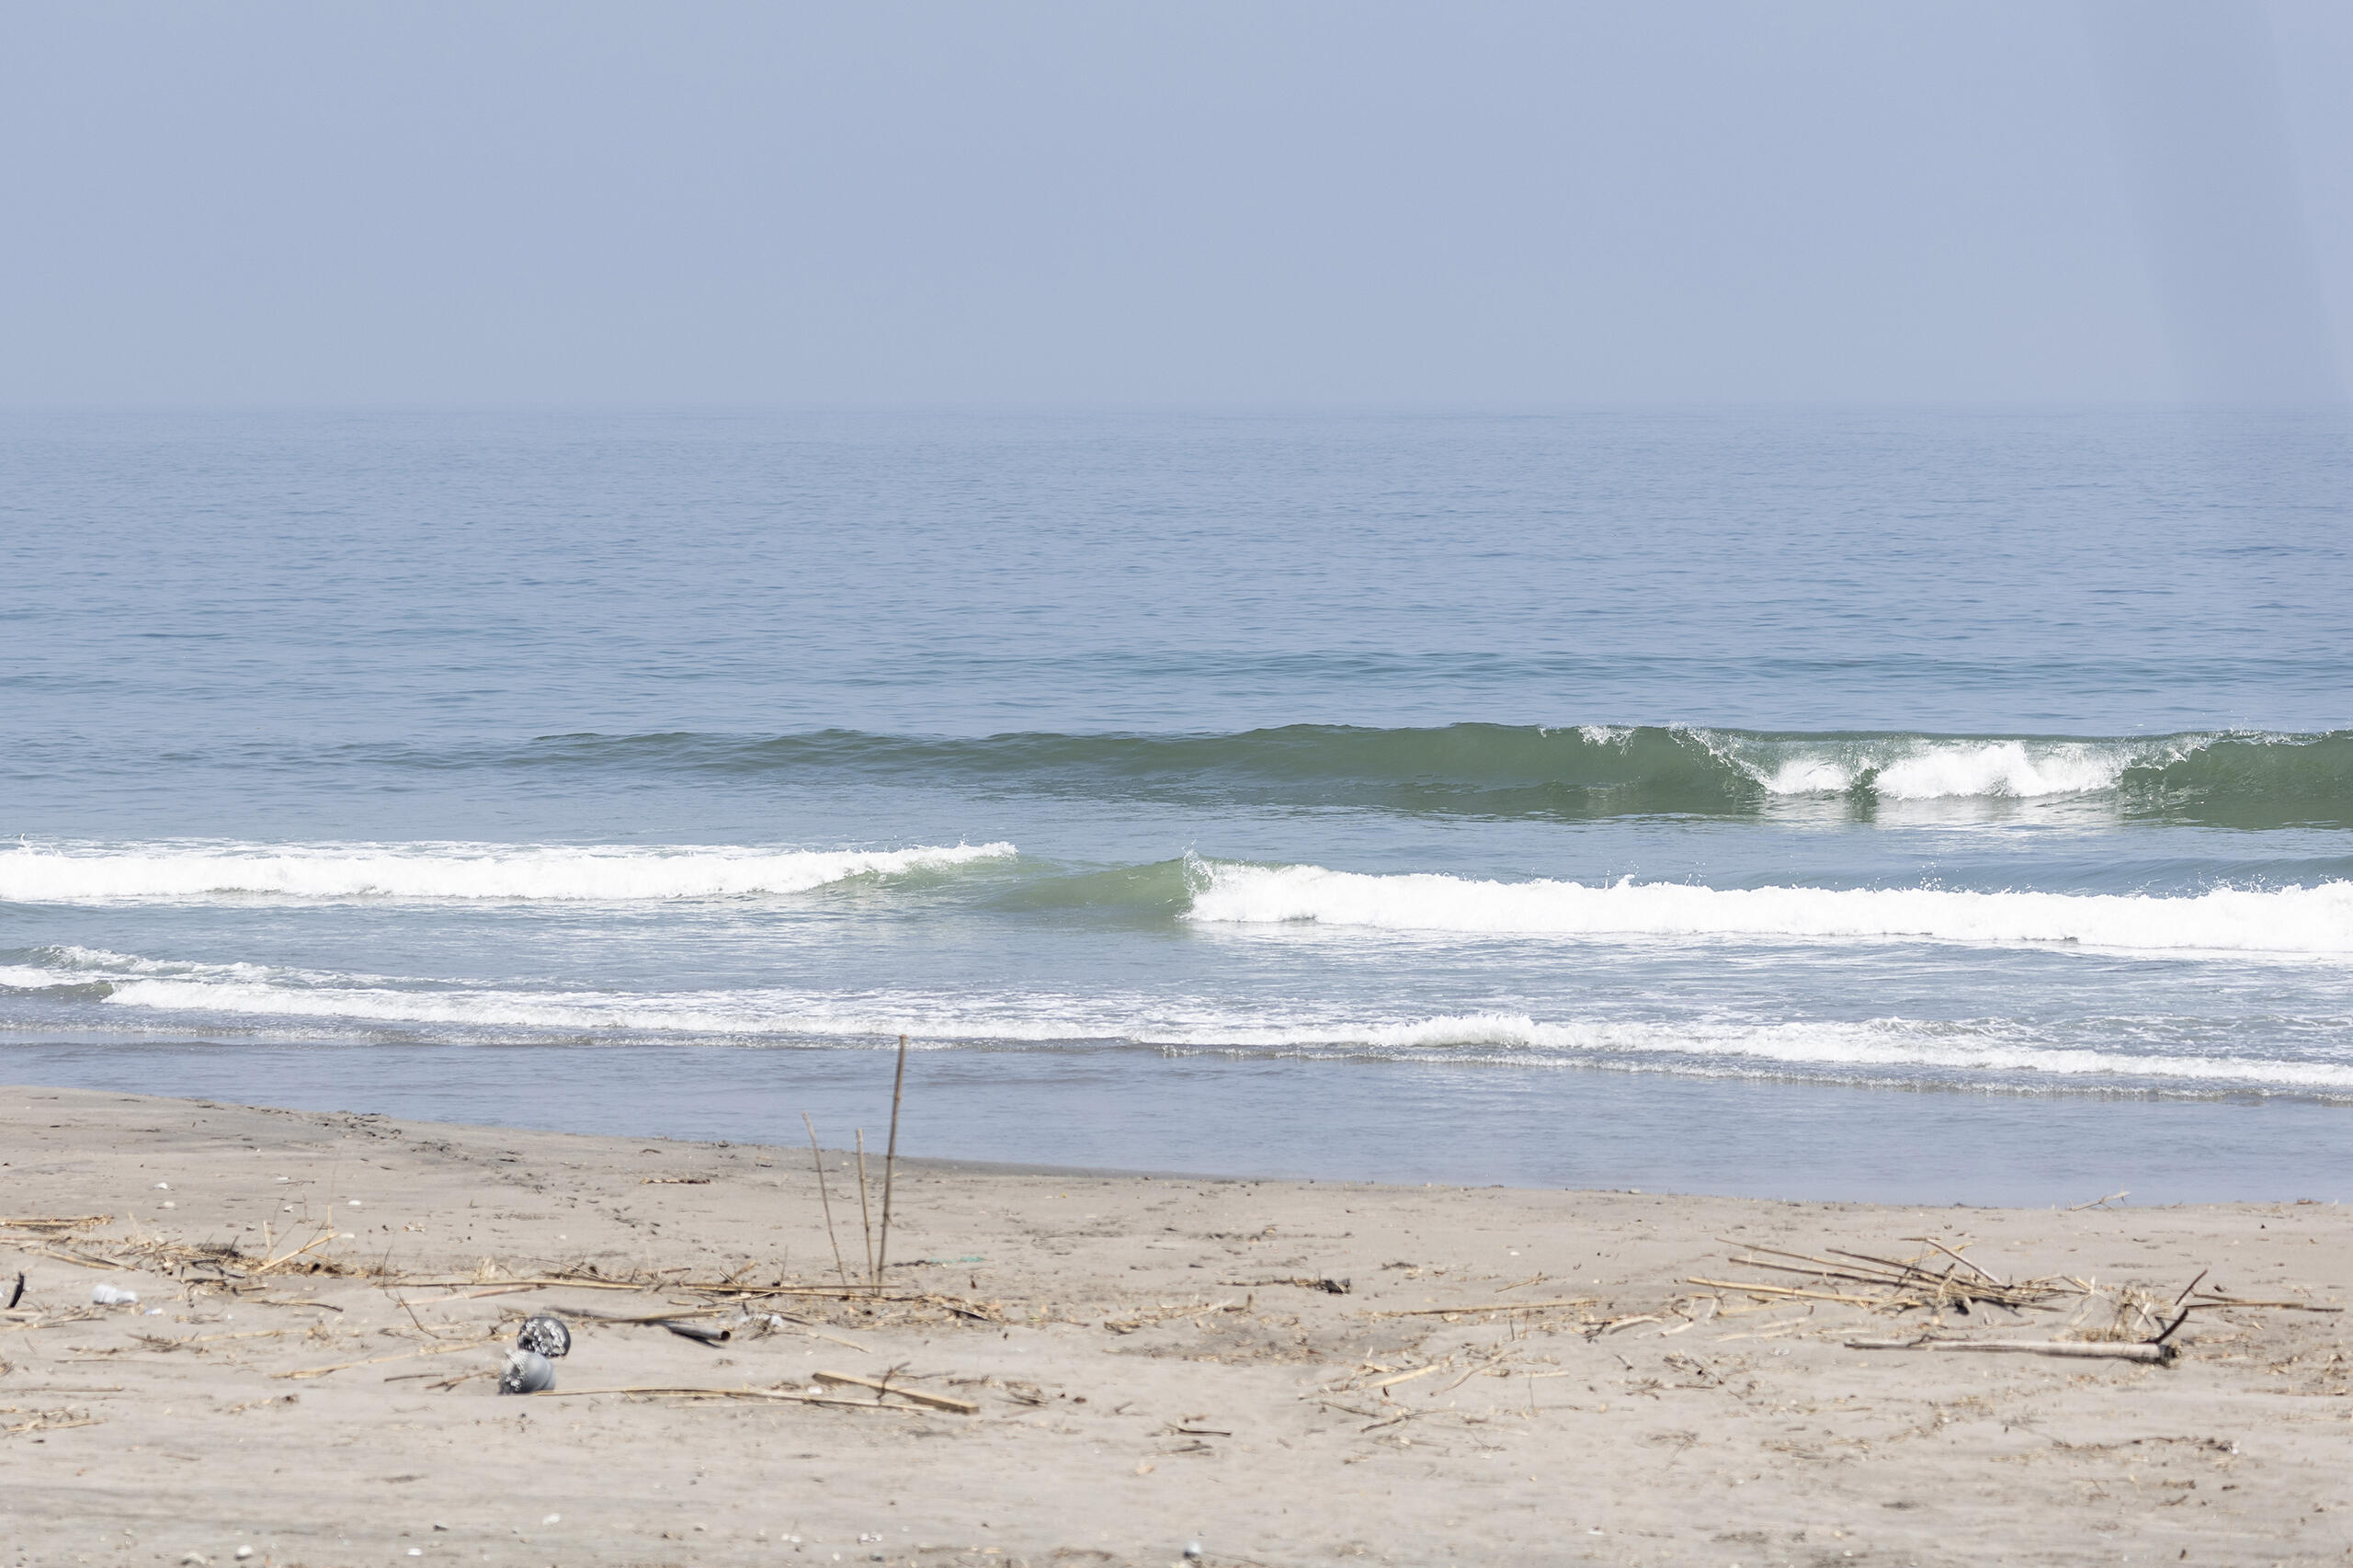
{"x": 2150, "y": 1351}
{"x": 779, "y": 1394}
{"x": 935, "y": 1401}
{"x": 818, "y": 1159}
{"x": 890, "y": 1163}
{"x": 1761, "y": 1289}
{"x": 1956, "y": 1256}
{"x": 1489, "y": 1307}
{"x": 866, "y": 1215}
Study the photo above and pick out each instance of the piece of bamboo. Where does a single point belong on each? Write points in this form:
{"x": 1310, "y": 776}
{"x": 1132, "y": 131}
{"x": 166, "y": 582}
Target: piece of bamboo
{"x": 2147, "y": 1351}
{"x": 890, "y": 1163}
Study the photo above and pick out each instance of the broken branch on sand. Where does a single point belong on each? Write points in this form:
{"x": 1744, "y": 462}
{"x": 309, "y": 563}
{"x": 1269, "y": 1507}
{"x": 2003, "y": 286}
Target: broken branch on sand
{"x": 1490, "y": 1306}
{"x": 936, "y": 1401}
{"x": 2154, "y": 1351}
{"x": 780, "y": 1395}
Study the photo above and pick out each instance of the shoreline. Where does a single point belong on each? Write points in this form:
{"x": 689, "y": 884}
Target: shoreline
{"x": 1277, "y": 1118}
{"x": 1287, "y": 1372}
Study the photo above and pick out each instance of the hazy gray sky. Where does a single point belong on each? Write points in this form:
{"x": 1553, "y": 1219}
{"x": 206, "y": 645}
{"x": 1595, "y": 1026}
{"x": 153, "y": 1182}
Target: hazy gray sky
{"x": 1488, "y": 204}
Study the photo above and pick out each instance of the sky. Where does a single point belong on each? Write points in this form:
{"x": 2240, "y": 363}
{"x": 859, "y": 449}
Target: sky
{"x": 1482, "y": 203}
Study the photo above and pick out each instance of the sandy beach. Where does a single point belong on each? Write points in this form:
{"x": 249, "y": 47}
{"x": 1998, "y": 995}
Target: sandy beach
{"x": 1106, "y": 1368}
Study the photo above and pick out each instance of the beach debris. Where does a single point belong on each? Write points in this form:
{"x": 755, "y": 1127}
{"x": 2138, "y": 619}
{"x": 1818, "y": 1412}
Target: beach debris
{"x": 1192, "y": 1552}
{"x": 782, "y": 1395}
{"x": 1937, "y": 1281}
{"x": 1304, "y": 1281}
{"x": 2155, "y": 1350}
{"x": 1469, "y": 1308}
{"x": 526, "y": 1371}
{"x": 884, "y": 1386}
{"x": 702, "y": 1333}
{"x": 544, "y": 1335}
{"x": 890, "y": 1162}
{"x": 19, "y": 1293}
{"x": 112, "y": 1296}
{"x": 817, "y": 1158}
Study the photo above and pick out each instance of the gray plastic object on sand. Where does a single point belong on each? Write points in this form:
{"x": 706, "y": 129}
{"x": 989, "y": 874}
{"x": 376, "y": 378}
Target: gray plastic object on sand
{"x": 544, "y": 1335}
{"x": 526, "y": 1371}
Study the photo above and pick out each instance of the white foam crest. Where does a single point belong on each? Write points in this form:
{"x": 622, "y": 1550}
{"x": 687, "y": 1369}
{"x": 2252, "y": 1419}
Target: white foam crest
{"x": 1938, "y": 768}
{"x": 2006, "y": 767}
{"x": 2286, "y": 920}
{"x": 1882, "y": 1045}
{"x": 196, "y": 872}
{"x": 750, "y": 1013}
{"x": 1878, "y": 1043}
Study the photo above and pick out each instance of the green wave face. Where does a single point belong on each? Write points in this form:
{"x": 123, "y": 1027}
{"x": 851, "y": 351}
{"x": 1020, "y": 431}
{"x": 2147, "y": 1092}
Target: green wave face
{"x": 1493, "y": 771}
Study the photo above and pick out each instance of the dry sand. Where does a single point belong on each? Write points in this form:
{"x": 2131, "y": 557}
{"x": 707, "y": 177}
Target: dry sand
{"x": 1146, "y": 1370}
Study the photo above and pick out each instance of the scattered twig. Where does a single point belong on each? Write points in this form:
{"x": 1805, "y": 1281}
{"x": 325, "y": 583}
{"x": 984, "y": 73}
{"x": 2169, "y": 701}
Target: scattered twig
{"x": 865, "y": 1215}
{"x": 890, "y": 1163}
{"x": 1490, "y": 1306}
{"x": 817, "y": 1158}
{"x": 689, "y": 1392}
{"x": 936, "y": 1401}
{"x": 2152, "y": 1350}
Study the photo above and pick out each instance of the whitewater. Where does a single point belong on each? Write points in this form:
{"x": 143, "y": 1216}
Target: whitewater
{"x": 2280, "y": 920}
{"x": 603, "y": 873}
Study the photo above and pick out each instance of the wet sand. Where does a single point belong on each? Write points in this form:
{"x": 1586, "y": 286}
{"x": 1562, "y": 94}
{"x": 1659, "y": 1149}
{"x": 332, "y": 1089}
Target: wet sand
{"x": 1285, "y": 1372}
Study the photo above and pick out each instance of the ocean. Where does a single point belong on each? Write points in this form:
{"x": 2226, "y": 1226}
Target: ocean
{"x": 1939, "y": 805}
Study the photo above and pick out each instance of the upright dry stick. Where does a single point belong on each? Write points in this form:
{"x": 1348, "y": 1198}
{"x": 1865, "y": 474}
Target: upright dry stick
{"x": 817, "y": 1158}
{"x": 890, "y": 1163}
{"x": 865, "y": 1215}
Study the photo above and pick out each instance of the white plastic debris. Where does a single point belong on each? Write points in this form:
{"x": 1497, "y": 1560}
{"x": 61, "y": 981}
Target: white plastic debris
{"x": 1192, "y": 1552}
{"x": 162, "y": 1186}
{"x": 154, "y": 1312}
{"x": 354, "y": 1203}
{"x": 552, "y": 1519}
{"x": 243, "y": 1552}
{"x": 112, "y": 1296}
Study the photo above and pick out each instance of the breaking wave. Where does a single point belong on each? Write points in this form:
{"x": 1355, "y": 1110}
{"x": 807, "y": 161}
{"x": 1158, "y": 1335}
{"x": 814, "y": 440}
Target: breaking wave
{"x": 2284, "y": 920}
{"x": 2241, "y": 777}
{"x": 2304, "y": 1058}
{"x": 335, "y": 871}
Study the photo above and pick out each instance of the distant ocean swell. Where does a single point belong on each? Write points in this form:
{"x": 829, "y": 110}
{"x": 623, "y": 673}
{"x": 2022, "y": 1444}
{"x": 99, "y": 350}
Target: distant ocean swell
{"x": 298, "y": 1004}
{"x": 1206, "y": 893}
{"x": 2236, "y": 778}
